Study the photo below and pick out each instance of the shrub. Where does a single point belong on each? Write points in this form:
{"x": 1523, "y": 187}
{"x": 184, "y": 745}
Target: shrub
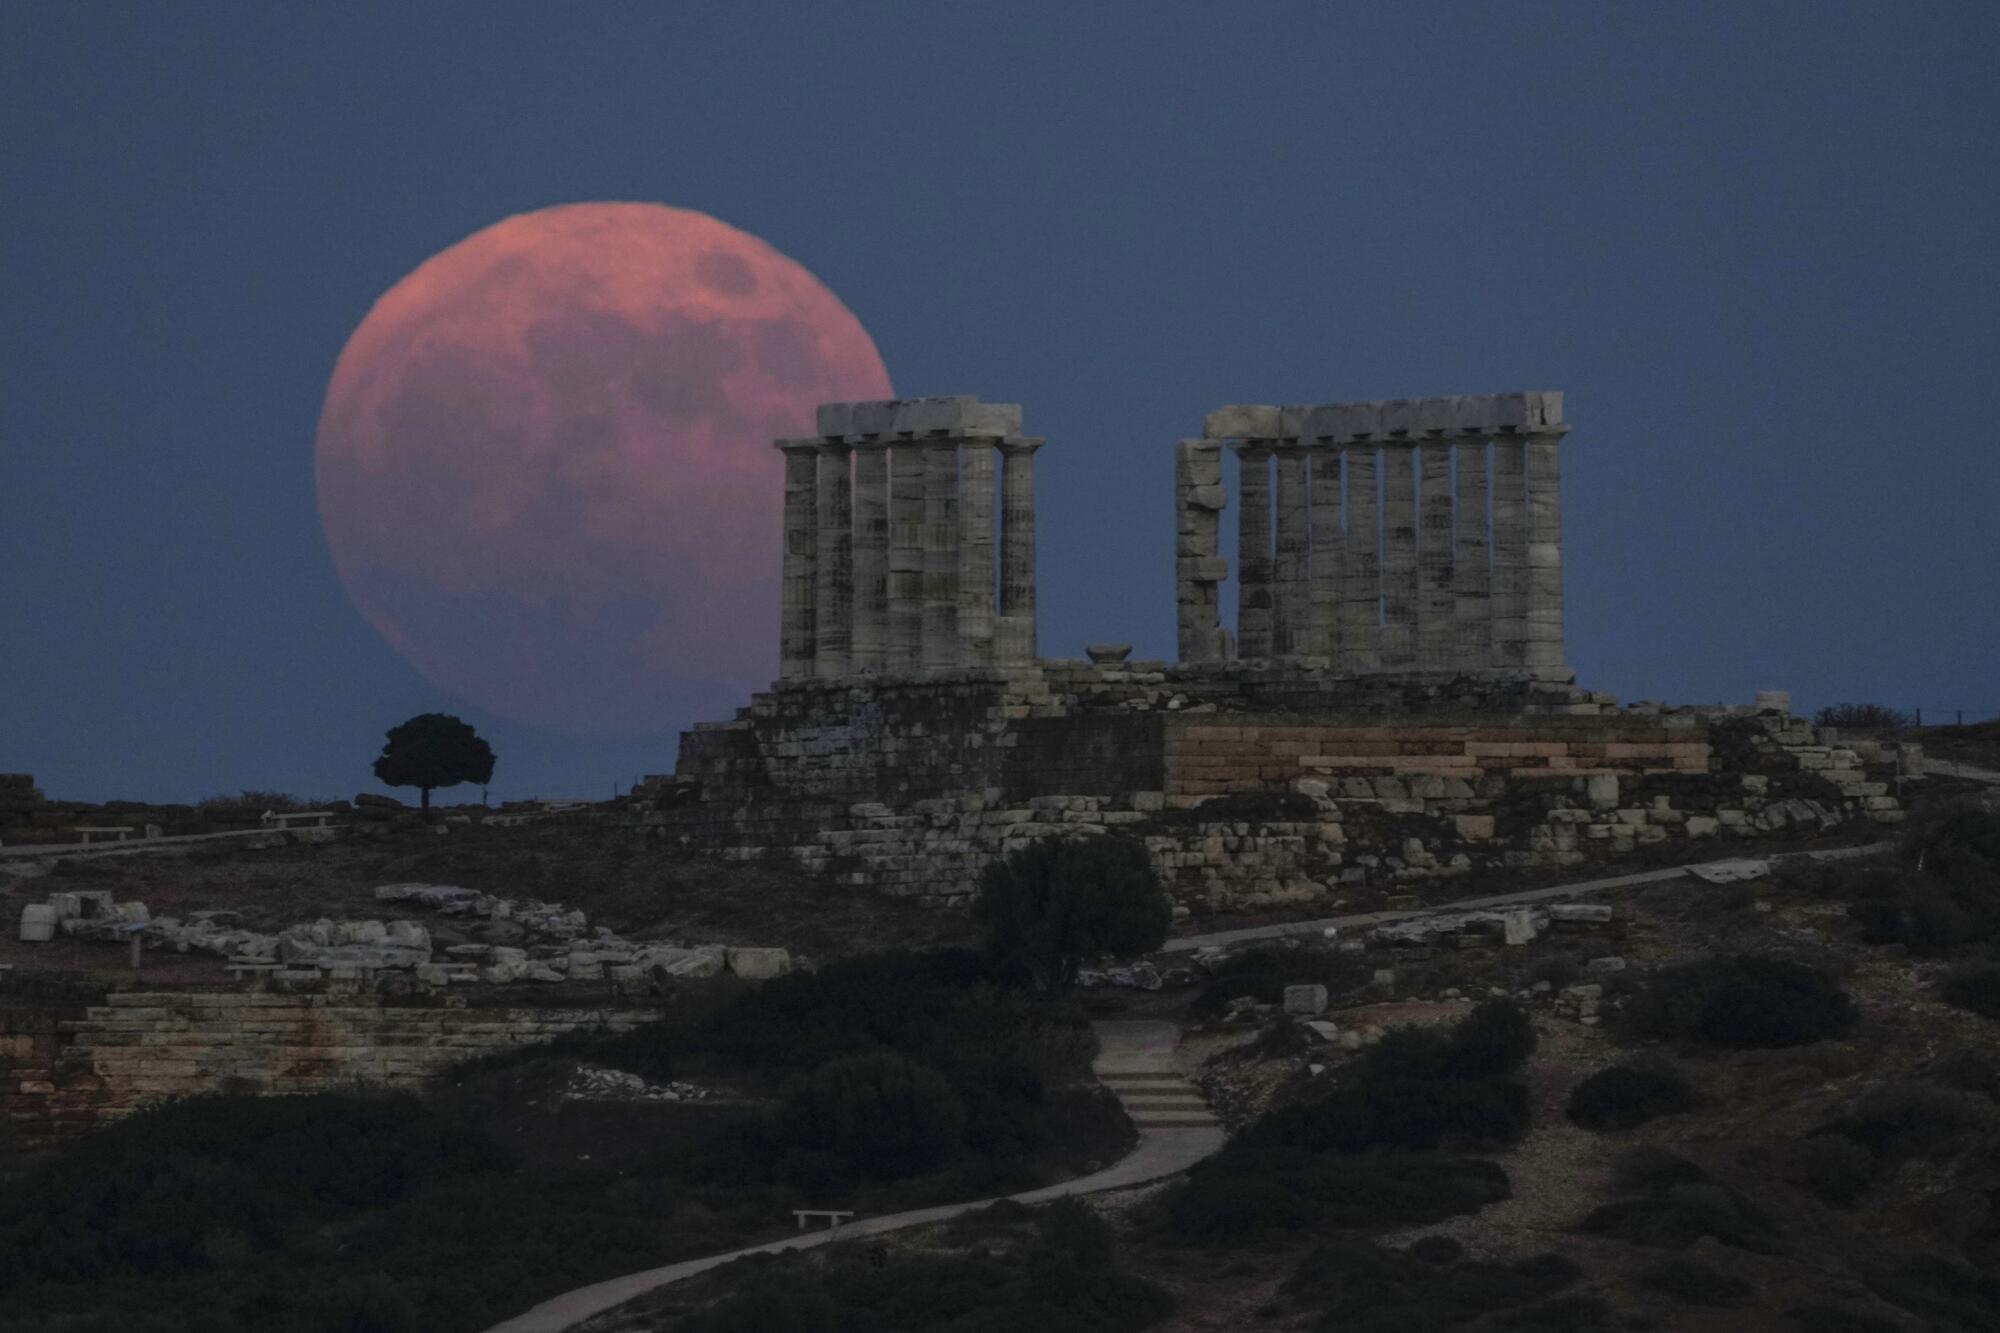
{"x": 886, "y": 1116}
{"x": 1862, "y": 717}
{"x": 1833, "y": 1169}
{"x": 896, "y": 1000}
{"x": 1496, "y": 1038}
{"x": 1743, "y": 1001}
{"x": 1624, "y": 1096}
{"x": 1692, "y": 1282}
{"x": 1675, "y": 1216}
{"x": 1363, "y": 1288}
{"x": 1955, "y": 840}
{"x": 1401, "y": 1113}
{"x": 1053, "y": 903}
{"x": 1913, "y": 1118}
{"x": 1975, "y": 986}
{"x": 1245, "y": 1191}
{"x": 371, "y": 1304}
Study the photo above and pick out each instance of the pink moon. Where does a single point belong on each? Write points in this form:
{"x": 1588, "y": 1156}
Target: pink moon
{"x": 545, "y": 467}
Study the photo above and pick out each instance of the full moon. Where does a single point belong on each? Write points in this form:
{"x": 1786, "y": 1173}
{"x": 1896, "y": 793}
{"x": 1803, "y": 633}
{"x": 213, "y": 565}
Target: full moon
{"x": 545, "y": 467}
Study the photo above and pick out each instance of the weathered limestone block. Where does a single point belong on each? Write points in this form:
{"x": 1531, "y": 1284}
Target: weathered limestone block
{"x": 1255, "y": 610}
{"x": 904, "y": 655}
{"x": 940, "y": 538}
{"x": 977, "y": 592}
{"x": 1509, "y": 579}
{"x": 1436, "y": 599}
{"x": 1323, "y": 572}
{"x": 869, "y": 645}
{"x": 1291, "y": 592}
{"x": 1399, "y": 557}
{"x": 834, "y": 602}
{"x": 1360, "y": 586}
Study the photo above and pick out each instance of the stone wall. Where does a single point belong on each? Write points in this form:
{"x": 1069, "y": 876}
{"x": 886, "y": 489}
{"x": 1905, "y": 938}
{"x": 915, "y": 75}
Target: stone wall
{"x": 66, "y": 1066}
{"x": 1250, "y": 786}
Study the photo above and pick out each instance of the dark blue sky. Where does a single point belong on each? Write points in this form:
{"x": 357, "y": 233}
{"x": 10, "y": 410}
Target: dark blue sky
{"x": 1754, "y": 243}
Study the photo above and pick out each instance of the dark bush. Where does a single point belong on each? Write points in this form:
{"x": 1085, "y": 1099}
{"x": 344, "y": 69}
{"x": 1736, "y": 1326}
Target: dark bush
{"x": 1956, "y": 841}
{"x": 1404, "y": 1114}
{"x": 1436, "y": 1250}
{"x": 1744, "y": 1001}
{"x": 1692, "y": 1282}
{"x": 1245, "y": 1191}
{"x": 1496, "y": 1038}
{"x": 1624, "y": 1096}
{"x": 1651, "y": 1167}
{"x": 371, "y": 1304}
{"x": 1362, "y": 1288}
{"x": 1914, "y": 1118}
{"x": 1976, "y": 987}
{"x": 1564, "y": 1314}
{"x": 1945, "y": 1292}
{"x": 1833, "y": 1169}
{"x": 884, "y": 1115}
{"x": 1862, "y": 717}
{"x": 1057, "y": 902}
{"x": 1676, "y": 1216}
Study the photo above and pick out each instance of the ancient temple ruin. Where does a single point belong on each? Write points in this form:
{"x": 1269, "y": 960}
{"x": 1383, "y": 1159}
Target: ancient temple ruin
{"x": 1408, "y": 536}
{"x": 890, "y": 541}
{"x": 1385, "y": 556}
{"x": 1393, "y": 704}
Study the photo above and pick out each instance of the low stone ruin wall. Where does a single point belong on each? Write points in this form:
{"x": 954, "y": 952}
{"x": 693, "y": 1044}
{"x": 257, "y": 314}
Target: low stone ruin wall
{"x": 1250, "y": 787}
{"x": 68, "y": 1067}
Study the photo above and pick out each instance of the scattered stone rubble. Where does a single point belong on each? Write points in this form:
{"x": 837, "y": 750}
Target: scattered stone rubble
{"x": 554, "y": 944}
{"x": 591, "y": 1083}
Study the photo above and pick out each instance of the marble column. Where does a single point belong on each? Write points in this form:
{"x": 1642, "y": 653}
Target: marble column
{"x": 1361, "y": 568}
{"x": 976, "y": 590}
{"x": 1014, "y": 639}
{"x": 1291, "y": 592}
{"x": 800, "y": 576}
{"x": 870, "y": 644}
{"x": 1510, "y": 553}
{"x": 1399, "y": 556}
{"x": 1472, "y": 625}
{"x": 1435, "y": 603}
{"x": 833, "y": 609}
{"x": 1254, "y": 611}
{"x": 905, "y": 656}
{"x": 1543, "y": 586}
{"x": 1323, "y": 562}
{"x": 1199, "y": 568}
{"x": 940, "y": 533}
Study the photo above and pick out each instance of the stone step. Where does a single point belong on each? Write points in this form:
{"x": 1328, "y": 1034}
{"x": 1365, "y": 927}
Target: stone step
{"x": 1176, "y": 1122}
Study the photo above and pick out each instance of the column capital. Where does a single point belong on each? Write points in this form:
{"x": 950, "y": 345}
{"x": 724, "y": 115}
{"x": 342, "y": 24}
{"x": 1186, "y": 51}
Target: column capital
{"x": 1020, "y": 444}
{"x": 1257, "y": 448}
{"x": 866, "y": 441}
{"x": 1545, "y": 434}
{"x": 810, "y": 444}
{"x": 834, "y": 446}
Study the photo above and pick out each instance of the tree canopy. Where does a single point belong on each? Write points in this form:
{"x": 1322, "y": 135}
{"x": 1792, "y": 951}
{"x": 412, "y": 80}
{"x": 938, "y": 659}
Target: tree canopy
{"x": 434, "y": 750}
{"x": 1052, "y": 904}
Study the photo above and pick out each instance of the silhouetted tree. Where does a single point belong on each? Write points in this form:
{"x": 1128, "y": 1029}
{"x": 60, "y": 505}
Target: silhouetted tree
{"x": 1053, "y": 903}
{"x": 434, "y": 750}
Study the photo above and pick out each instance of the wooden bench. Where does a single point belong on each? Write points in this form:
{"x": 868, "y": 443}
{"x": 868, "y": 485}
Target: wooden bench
{"x": 834, "y": 1216}
{"x": 285, "y": 820}
{"x": 123, "y": 831}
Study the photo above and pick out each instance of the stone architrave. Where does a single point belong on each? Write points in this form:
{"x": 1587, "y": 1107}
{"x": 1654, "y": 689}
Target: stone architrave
{"x": 1291, "y": 592}
{"x": 1254, "y": 610}
{"x": 1399, "y": 556}
{"x": 800, "y": 577}
{"x": 1015, "y": 637}
{"x": 1361, "y": 584}
{"x": 1323, "y": 562}
{"x": 1472, "y": 625}
{"x": 869, "y": 647}
{"x": 1543, "y": 586}
{"x": 1199, "y": 568}
{"x": 976, "y": 573}
{"x": 833, "y": 616}
{"x": 1510, "y": 553}
{"x": 1435, "y": 606}
{"x": 906, "y": 558}
{"x": 940, "y": 537}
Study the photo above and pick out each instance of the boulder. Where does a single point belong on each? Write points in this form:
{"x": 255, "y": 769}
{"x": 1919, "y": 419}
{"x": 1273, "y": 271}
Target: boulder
{"x": 1306, "y": 1001}
{"x": 759, "y": 964}
{"x": 38, "y": 923}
